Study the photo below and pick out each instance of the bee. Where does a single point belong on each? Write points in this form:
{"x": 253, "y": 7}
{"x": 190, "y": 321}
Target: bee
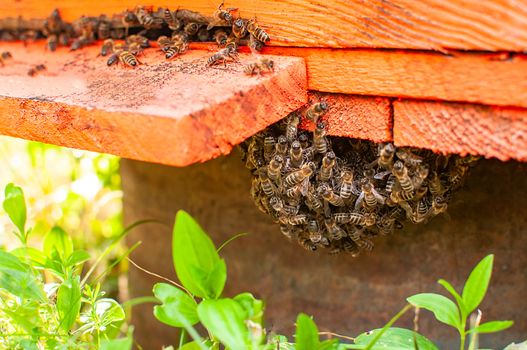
{"x": 203, "y": 35}
{"x": 346, "y": 186}
{"x": 304, "y": 141}
{"x": 135, "y": 48}
{"x": 80, "y": 42}
{"x": 52, "y": 42}
{"x": 254, "y": 44}
{"x": 64, "y": 39}
{"x": 390, "y": 183}
{"x": 358, "y": 238}
{"x": 180, "y": 41}
{"x": 349, "y": 247}
{"x": 36, "y": 69}
{"x": 335, "y": 232}
{"x": 129, "y": 19}
{"x": 386, "y": 153}
{"x": 313, "y": 202}
{"x": 118, "y": 33}
{"x": 399, "y": 196}
{"x": 315, "y": 235}
{"x": 232, "y": 43}
{"x": 222, "y": 56}
{"x": 267, "y": 186}
{"x": 327, "y": 194}
{"x": 326, "y": 170}
{"x": 307, "y": 244}
{"x": 259, "y": 67}
{"x": 254, "y": 29}
{"x": 291, "y": 128}
{"x": 128, "y": 59}
{"x": 164, "y": 43}
{"x": 275, "y": 166}
{"x": 295, "y": 192}
{"x": 456, "y": 175}
{"x": 5, "y": 56}
{"x": 146, "y": 19}
{"x": 107, "y": 47}
{"x": 319, "y": 138}
{"x": 103, "y": 30}
{"x": 288, "y": 231}
{"x": 316, "y": 111}
{"x": 420, "y": 213}
{"x": 239, "y": 28}
{"x": 139, "y": 39}
{"x": 281, "y": 145}
{"x": 296, "y": 154}
{"x": 53, "y": 23}
{"x": 269, "y": 147}
{"x": 401, "y": 173}
{"x": 220, "y": 37}
{"x": 439, "y": 205}
{"x": 171, "y": 52}
{"x": 171, "y": 19}
{"x": 408, "y": 157}
{"x": 298, "y": 219}
{"x": 369, "y": 197}
{"x": 114, "y": 58}
{"x": 300, "y": 175}
{"x": 276, "y": 203}
{"x": 435, "y": 186}
{"x": 421, "y": 173}
{"x": 191, "y": 28}
{"x": 221, "y": 16}
{"x": 349, "y": 218}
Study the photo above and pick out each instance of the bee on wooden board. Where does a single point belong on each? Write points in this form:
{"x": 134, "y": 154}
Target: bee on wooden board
{"x": 6, "y": 55}
{"x": 33, "y": 71}
{"x": 259, "y": 67}
{"x": 222, "y": 56}
{"x": 221, "y": 16}
{"x": 255, "y": 30}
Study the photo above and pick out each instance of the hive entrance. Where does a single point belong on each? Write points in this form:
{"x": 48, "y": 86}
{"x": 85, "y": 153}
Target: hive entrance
{"x": 339, "y": 193}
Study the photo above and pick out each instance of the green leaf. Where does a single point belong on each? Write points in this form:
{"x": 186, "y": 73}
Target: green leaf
{"x": 109, "y": 311}
{"x": 224, "y": 319}
{"x": 15, "y": 207}
{"x": 455, "y": 294}
{"x": 191, "y": 346}
{"x": 253, "y": 307}
{"x": 477, "y": 283}
{"x": 178, "y": 308}
{"x": 32, "y": 255}
{"x": 69, "y": 302}
{"x": 58, "y": 241}
{"x": 514, "y": 346}
{"x": 443, "y": 308}
{"x": 78, "y": 257}
{"x": 17, "y": 278}
{"x": 117, "y": 344}
{"x": 198, "y": 265}
{"x": 395, "y": 339}
{"x": 330, "y": 344}
{"x": 306, "y": 337}
{"x": 492, "y": 327}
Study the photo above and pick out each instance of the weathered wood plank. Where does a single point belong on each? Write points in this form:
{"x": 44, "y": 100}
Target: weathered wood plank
{"x": 175, "y": 113}
{"x": 492, "y": 25}
{"x": 498, "y": 79}
{"x": 462, "y": 128}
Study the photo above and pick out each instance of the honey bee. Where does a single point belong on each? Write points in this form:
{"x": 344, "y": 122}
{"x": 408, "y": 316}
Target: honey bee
{"x": 313, "y": 202}
{"x": 255, "y": 30}
{"x": 180, "y": 41}
{"x": 335, "y": 232}
{"x": 298, "y": 219}
{"x": 146, "y": 19}
{"x": 369, "y": 197}
{"x": 129, "y": 19}
{"x": 203, "y": 34}
{"x": 221, "y": 16}
{"x": 316, "y": 111}
{"x": 128, "y": 59}
{"x": 274, "y": 168}
{"x": 255, "y": 45}
{"x": 269, "y": 147}
{"x": 401, "y": 174}
{"x": 408, "y": 157}
{"x": 5, "y": 56}
{"x": 346, "y": 186}
{"x": 220, "y": 37}
{"x": 295, "y": 192}
{"x": 328, "y": 163}
{"x": 164, "y": 43}
{"x": 288, "y": 231}
{"x": 222, "y": 56}
{"x": 135, "y": 48}
{"x": 103, "y": 30}
{"x": 276, "y": 203}
{"x": 319, "y": 138}
{"x": 139, "y": 39}
{"x": 171, "y": 20}
{"x": 421, "y": 173}
{"x": 267, "y": 186}
{"x": 399, "y": 196}
{"x": 349, "y": 218}
{"x": 315, "y": 235}
{"x": 349, "y": 247}
{"x": 386, "y": 153}
{"x": 307, "y": 244}
{"x": 304, "y": 141}
{"x": 239, "y": 28}
{"x": 232, "y": 43}
{"x": 107, "y": 47}
{"x": 420, "y": 213}
{"x": 52, "y": 42}
{"x": 259, "y": 67}
{"x": 36, "y": 69}
{"x": 80, "y": 42}
{"x": 435, "y": 186}
{"x": 300, "y": 175}
{"x": 328, "y": 195}
{"x": 281, "y": 145}
{"x": 191, "y": 28}
{"x": 296, "y": 154}
{"x": 439, "y": 206}
{"x": 457, "y": 174}
{"x": 291, "y": 128}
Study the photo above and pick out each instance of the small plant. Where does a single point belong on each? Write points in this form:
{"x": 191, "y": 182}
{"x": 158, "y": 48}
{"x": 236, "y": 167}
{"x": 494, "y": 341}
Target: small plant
{"x": 237, "y": 323}
{"x": 44, "y": 303}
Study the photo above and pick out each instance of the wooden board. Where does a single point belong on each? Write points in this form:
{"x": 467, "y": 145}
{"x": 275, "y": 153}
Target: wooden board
{"x": 174, "y": 112}
{"x": 462, "y": 128}
{"x": 491, "y": 25}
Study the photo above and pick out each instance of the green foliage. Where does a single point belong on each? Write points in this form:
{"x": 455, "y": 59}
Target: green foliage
{"x": 238, "y": 323}
{"x": 43, "y": 304}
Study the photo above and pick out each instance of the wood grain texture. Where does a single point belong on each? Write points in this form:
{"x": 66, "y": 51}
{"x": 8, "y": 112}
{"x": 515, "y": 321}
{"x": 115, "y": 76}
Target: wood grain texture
{"x": 461, "y": 128}
{"x": 491, "y": 25}
{"x": 359, "y": 117}
{"x": 498, "y": 79}
{"x": 171, "y": 112}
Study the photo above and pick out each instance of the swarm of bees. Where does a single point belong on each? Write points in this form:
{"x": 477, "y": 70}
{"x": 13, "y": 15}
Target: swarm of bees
{"x": 339, "y": 193}
{"x": 173, "y": 31}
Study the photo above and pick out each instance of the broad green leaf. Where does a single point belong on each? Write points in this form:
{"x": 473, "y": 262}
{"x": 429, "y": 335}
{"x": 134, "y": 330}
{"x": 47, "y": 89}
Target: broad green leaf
{"x": 178, "y": 308}
{"x": 109, "y": 311}
{"x": 15, "y": 207}
{"x": 253, "y": 307}
{"x": 455, "y": 294}
{"x": 117, "y": 344}
{"x": 395, "y": 339}
{"x": 306, "y": 337}
{"x": 26, "y": 317}
{"x": 35, "y": 256}
{"x": 492, "y": 327}
{"x": 190, "y": 346}
{"x": 198, "y": 265}
{"x": 514, "y": 346}
{"x": 17, "y": 278}
{"x": 28, "y": 344}
{"x": 224, "y": 319}
{"x": 443, "y": 308}
{"x": 69, "y": 302}
{"x": 105, "y": 316}
{"x": 59, "y": 241}
{"x": 330, "y": 344}
{"x": 477, "y": 283}
{"x": 78, "y": 257}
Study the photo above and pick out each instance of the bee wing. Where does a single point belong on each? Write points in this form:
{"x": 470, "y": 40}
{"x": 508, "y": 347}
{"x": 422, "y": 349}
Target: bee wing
{"x": 382, "y": 175}
{"x": 358, "y": 202}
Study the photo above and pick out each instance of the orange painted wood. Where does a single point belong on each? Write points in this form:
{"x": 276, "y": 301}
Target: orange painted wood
{"x": 462, "y": 128}
{"x": 490, "y": 25}
{"x": 355, "y": 116}
{"x": 174, "y": 112}
{"x": 469, "y": 77}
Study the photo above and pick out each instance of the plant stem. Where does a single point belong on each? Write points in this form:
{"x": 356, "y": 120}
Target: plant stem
{"x": 388, "y": 325}
{"x": 182, "y": 338}
{"x": 462, "y": 341}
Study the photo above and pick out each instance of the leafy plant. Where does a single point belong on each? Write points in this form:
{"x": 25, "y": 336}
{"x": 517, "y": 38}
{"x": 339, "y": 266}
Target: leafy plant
{"x": 43, "y": 302}
{"x": 237, "y": 323}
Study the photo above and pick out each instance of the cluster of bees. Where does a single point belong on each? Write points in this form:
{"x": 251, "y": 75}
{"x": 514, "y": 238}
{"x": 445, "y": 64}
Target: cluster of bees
{"x": 133, "y": 29}
{"x": 339, "y": 193}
